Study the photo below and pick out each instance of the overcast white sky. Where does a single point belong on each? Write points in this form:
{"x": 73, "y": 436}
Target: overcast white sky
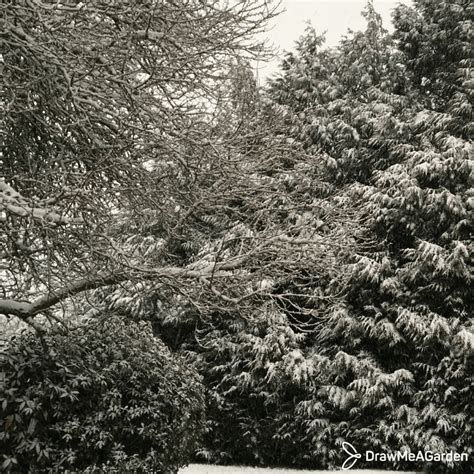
{"x": 333, "y": 16}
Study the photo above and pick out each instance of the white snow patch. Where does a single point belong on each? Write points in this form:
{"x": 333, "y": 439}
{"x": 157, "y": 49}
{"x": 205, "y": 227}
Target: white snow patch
{"x": 208, "y": 469}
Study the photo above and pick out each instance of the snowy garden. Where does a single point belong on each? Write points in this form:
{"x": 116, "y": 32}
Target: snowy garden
{"x": 205, "y": 273}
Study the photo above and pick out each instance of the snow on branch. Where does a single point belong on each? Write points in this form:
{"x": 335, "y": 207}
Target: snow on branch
{"x": 13, "y": 202}
{"x": 26, "y": 310}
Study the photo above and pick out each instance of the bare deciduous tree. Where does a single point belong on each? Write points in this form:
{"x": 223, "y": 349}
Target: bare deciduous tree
{"x": 114, "y": 169}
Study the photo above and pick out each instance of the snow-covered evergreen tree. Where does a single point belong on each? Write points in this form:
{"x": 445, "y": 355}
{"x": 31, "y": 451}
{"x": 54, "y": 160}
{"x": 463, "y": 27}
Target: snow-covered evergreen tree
{"x": 396, "y": 357}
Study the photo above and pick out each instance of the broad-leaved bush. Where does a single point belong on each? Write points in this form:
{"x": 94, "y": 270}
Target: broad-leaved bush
{"x": 105, "y": 396}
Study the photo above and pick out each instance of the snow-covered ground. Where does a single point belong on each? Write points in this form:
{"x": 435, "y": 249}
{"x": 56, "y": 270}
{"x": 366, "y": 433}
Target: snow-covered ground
{"x": 204, "y": 469}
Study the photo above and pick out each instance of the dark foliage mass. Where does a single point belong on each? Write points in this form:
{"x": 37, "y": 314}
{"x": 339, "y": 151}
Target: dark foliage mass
{"x": 106, "y": 396}
{"x": 307, "y": 247}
